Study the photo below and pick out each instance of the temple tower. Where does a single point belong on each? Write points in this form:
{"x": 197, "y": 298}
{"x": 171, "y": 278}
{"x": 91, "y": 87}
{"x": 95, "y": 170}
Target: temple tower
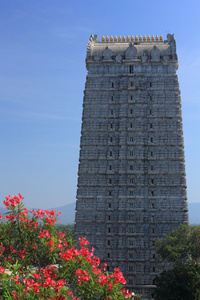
{"x": 131, "y": 179}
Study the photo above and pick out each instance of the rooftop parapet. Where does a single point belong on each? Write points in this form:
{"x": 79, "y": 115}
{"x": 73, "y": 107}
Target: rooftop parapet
{"x": 131, "y": 48}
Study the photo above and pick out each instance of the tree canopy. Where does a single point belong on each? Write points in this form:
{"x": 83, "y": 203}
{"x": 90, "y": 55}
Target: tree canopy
{"x": 182, "y": 248}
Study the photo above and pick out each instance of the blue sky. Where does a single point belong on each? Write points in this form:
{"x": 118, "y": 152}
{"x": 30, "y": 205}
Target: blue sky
{"x": 42, "y": 77}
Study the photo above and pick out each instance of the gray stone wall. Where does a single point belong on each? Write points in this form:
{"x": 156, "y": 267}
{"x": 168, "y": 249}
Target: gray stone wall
{"x": 131, "y": 180}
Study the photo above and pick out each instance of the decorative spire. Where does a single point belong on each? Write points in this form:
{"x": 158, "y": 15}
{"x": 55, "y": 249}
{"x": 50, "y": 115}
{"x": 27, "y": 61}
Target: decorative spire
{"x": 131, "y": 39}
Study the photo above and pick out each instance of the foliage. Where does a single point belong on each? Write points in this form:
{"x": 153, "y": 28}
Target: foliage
{"x": 180, "y": 283}
{"x": 182, "y": 248}
{"x": 137, "y": 297}
{"x": 67, "y": 229}
{"x": 181, "y": 244}
{"x": 37, "y": 262}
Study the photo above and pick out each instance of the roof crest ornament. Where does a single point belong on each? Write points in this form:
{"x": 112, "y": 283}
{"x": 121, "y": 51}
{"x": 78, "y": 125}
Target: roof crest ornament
{"x": 136, "y": 39}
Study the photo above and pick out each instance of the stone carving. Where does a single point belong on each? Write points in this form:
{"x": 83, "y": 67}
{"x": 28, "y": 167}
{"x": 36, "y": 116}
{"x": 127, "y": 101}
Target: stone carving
{"x": 165, "y": 57}
{"x": 170, "y": 38}
{"x": 131, "y": 52}
{"x": 155, "y": 54}
{"x": 118, "y": 58}
{"x": 171, "y": 41}
{"x": 97, "y": 58}
{"x": 144, "y": 57}
{"x": 107, "y": 53}
{"x": 94, "y": 38}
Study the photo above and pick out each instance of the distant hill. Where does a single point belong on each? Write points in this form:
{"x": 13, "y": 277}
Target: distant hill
{"x": 194, "y": 213}
{"x": 68, "y": 213}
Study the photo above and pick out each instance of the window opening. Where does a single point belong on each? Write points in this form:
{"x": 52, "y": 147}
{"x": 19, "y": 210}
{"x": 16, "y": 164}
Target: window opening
{"x": 131, "y": 68}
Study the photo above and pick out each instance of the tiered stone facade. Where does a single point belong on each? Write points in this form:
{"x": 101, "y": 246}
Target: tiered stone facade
{"x": 131, "y": 179}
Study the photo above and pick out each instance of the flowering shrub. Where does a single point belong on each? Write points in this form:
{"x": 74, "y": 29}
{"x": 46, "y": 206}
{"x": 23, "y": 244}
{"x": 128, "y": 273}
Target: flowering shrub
{"x": 36, "y": 262}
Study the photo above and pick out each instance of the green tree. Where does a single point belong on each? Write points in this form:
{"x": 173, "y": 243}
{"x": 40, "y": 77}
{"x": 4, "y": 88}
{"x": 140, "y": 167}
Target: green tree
{"x": 180, "y": 283}
{"x": 182, "y": 248}
{"x": 181, "y": 244}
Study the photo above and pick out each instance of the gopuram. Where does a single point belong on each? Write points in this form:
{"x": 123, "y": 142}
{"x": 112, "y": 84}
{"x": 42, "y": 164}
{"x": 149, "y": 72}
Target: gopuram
{"x": 131, "y": 178}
